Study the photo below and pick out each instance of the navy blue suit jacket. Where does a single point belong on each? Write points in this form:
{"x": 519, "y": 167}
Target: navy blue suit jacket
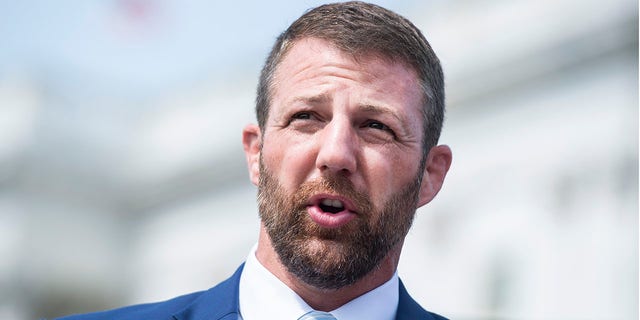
{"x": 221, "y": 303}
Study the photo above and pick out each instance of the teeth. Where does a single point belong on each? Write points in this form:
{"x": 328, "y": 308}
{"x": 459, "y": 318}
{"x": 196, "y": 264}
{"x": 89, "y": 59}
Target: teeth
{"x": 332, "y": 203}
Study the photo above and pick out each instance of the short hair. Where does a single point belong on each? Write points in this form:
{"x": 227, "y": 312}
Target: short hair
{"x": 360, "y": 28}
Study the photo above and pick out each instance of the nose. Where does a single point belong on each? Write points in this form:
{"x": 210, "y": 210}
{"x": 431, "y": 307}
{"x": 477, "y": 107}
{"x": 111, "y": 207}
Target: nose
{"x": 338, "y": 147}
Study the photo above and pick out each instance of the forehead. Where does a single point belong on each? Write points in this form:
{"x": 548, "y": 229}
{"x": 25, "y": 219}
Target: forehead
{"x": 312, "y": 48}
{"x": 310, "y": 63}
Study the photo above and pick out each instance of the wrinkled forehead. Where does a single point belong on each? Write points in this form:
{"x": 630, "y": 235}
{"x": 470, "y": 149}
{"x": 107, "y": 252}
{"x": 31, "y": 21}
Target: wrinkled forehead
{"x": 358, "y": 55}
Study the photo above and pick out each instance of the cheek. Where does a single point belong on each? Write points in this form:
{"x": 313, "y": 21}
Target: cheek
{"x": 389, "y": 171}
{"x": 289, "y": 162}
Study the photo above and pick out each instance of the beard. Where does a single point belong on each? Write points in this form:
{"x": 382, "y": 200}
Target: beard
{"x": 332, "y": 258}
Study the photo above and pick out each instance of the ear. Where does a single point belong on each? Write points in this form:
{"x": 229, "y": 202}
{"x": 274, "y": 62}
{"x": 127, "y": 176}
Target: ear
{"x": 252, "y": 141}
{"x": 436, "y": 167}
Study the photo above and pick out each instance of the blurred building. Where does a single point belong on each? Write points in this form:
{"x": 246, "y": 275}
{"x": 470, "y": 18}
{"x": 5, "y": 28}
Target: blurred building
{"x": 122, "y": 177}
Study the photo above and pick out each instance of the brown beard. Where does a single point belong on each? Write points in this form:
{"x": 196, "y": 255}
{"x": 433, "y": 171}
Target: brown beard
{"x": 333, "y": 258}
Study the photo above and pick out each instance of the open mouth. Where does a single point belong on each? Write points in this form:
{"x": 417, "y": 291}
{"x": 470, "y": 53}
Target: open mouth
{"x": 331, "y": 205}
{"x": 331, "y": 211}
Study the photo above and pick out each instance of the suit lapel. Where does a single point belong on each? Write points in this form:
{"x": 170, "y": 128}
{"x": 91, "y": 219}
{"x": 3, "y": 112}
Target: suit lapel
{"x": 217, "y": 303}
{"x": 409, "y": 309}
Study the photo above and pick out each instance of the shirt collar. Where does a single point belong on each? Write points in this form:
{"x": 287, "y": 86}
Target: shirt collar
{"x": 263, "y": 296}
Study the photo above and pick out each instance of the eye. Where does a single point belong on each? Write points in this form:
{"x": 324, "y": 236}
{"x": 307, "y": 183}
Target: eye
{"x": 378, "y": 126}
{"x": 305, "y": 121}
{"x": 304, "y": 115}
{"x": 379, "y": 131}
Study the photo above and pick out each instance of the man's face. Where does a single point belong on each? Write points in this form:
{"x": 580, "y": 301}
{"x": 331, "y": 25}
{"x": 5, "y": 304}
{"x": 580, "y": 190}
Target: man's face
{"x": 340, "y": 169}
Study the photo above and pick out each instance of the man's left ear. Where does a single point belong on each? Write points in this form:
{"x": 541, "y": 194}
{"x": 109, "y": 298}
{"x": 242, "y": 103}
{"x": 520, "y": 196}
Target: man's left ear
{"x": 436, "y": 167}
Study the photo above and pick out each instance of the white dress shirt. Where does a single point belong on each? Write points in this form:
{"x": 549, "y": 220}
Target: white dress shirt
{"x": 264, "y": 296}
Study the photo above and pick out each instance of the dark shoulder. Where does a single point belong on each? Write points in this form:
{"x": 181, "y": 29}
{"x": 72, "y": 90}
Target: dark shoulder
{"x": 409, "y": 309}
{"x": 219, "y": 302}
{"x": 437, "y": 316}
{"x": 156, "y": 311}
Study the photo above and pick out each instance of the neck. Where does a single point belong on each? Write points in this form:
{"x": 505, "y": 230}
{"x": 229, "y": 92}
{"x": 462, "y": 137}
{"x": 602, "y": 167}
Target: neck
{"x": 325, "y": 299}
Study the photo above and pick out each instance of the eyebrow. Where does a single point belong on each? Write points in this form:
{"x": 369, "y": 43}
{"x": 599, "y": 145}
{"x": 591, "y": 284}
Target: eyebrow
{"x": 320, "y": 99}
{"x": 326, "y": 99}
{"x": 368, "y": 108}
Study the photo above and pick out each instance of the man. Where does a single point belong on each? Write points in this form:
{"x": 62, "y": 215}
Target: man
{"x": 350, "y": 107}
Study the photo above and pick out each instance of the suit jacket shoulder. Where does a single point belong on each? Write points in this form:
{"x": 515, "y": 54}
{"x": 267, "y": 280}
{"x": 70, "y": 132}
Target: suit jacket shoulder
{"x": 221, "y": 303}
{"x": 409, "y": 309}
{"x": 217, "y": 303}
